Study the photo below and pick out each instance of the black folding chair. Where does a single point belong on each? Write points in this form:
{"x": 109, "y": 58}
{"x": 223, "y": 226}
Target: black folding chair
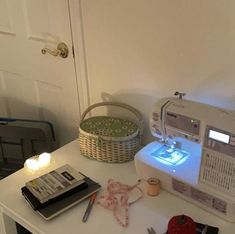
{"x": 21, "y": 139}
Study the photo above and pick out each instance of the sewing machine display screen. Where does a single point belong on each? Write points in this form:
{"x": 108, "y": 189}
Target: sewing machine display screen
{"x": 219, "y": 136}
{"x": 168, "y": 155}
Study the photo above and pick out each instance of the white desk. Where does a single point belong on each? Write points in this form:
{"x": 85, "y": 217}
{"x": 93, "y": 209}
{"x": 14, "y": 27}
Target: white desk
{"x": 150, "y": 211}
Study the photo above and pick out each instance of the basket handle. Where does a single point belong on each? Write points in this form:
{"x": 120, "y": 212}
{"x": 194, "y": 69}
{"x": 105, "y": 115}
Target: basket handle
{"x": 118, "y": 104}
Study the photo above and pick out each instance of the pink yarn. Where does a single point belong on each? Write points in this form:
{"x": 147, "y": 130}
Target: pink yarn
{"x": 117, "y": 200}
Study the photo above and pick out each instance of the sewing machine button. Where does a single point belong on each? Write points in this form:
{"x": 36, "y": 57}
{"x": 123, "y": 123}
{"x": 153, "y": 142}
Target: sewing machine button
{"x": 213, "y": 144}
{"x": 232, "y": 142}
{"x": 209, "y": 143}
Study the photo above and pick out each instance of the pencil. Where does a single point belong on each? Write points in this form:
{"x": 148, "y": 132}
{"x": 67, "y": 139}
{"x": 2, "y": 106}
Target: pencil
{"x": 89, "y": 207}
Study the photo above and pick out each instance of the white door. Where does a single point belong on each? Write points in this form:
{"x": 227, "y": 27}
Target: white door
{"x": 35, "y": 85}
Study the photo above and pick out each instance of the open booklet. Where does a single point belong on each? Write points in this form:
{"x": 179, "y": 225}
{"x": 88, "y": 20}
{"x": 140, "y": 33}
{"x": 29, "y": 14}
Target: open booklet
{"x": 55, "y": 183}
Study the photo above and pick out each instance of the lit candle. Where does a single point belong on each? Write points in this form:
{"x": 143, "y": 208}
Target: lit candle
{"x": 44, "y": 159}
{"x": 32, "y": 164}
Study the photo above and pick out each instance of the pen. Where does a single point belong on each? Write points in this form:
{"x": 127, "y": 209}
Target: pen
{"x": 89, "y": 207}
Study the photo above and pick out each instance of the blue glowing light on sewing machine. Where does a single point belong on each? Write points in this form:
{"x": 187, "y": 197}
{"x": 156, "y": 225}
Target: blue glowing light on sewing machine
{"x": 170, "y": 155}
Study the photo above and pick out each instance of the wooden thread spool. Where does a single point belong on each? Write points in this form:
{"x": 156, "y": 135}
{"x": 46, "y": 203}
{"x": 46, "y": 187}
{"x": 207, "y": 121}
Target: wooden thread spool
{"x": 153, "y": 186}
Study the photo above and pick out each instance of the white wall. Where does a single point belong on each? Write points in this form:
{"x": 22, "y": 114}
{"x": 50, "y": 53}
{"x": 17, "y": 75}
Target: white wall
{"x": 140, "y": 50}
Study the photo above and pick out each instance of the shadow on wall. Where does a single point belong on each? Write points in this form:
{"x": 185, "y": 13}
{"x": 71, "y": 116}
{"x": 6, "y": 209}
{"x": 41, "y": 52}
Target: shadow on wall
{"x": 217, "y": 90}
{"x": 209, "y": 93}
{"x": 140, "y": 101}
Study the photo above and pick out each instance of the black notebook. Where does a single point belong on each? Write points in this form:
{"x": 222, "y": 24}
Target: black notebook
{"x": 56, "y": 206}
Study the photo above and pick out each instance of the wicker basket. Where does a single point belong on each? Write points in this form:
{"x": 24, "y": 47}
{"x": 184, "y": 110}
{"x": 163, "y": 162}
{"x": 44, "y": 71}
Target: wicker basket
{"x": 110, "y": 139}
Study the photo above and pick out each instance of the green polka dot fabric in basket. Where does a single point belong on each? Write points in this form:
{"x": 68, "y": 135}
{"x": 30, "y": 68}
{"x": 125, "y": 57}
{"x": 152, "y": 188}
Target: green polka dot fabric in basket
{"x": 109, "y": 126}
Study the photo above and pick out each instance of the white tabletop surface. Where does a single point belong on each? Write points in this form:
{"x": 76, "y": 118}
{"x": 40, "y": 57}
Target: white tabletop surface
{"x": 149, "y": 211}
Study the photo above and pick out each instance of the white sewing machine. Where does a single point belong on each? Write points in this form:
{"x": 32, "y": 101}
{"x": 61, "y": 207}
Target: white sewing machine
{"x": 193, "y": 155}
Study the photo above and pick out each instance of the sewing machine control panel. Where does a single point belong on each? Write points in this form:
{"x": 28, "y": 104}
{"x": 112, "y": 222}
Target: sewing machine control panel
{"x": 220, "y": 141}
{"x": 218, "y": 166}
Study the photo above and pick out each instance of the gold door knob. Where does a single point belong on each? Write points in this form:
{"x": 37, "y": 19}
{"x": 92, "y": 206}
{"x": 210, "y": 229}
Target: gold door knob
{"x": 62, "y": 50}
